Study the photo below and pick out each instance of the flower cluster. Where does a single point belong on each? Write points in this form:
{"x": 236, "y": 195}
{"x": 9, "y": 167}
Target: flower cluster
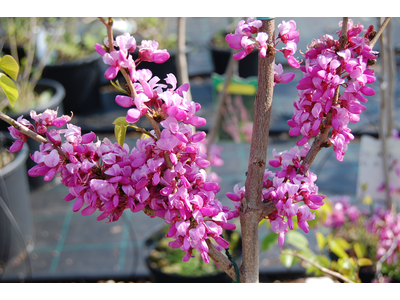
{"x": 248, "y": 37}
{"x": 163, "y": 175}
{"x": 386, "y": 226}
{"x": 121, "y": 58}
{"x": 109, "y": 178}
{"x": 342, "y": 212}
{"x": 287, "y": 187}
{"x": 328, "y": 66}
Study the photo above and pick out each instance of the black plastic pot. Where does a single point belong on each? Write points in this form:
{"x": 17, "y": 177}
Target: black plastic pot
{"x": 247, "y": 66}
{"x": 55, "y": 102}
{"x": 81, "y": 81}
{"x": 14, "y": 191}
{"x": 158, "y": 276}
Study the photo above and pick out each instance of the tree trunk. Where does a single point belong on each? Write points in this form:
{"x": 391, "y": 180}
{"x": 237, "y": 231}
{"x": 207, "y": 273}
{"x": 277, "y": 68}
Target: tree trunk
{"x": 252, "y": 205}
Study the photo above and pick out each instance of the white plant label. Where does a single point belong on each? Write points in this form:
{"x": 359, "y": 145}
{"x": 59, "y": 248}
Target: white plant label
{"x": 370, "y": 167}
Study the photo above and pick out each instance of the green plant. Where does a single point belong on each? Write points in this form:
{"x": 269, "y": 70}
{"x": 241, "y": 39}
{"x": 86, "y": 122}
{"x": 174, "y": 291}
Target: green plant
{"x": 343, "y": 249}
{"x": 78, "y": 39}
{"x": 30, "y": 71}
{"x": 169, "y": 260}
{"x": 11, "y": 68}
{"x": 153, "y": 28}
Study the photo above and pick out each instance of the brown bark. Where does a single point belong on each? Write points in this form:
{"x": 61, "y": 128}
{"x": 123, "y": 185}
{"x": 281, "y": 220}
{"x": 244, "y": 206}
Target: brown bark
{"x": 252, "y": 206}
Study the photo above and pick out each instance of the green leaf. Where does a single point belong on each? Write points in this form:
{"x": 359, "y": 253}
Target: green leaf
{"x": 343, "y": 243}
{"x": 296, "y": 239}
{"x": 9, "y": 88}
{"x": 362, "y": 262}
{"x": 337, "y": 248}
{"x": 118, "y": 87}
{"x": 307, "y": 253}
{"x": 9, "y": 66}
{"x": 287, "y": 260}
{"x": 269, "y": 240}
{"x": 120, "y": 121}
{"x": 320, "y": 240}
{"x": 120, "y": 128}
{"x": 360, "y": 249}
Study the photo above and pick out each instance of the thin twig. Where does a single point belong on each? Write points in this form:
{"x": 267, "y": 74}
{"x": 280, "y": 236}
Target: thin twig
{"x": 221, "y": 100}
{"x": 25, "y": 130}
{"x": 375, "y": 39}
{"x": 323, "y": 134}
{"x": 325, "y": 270}
{"x": 383, "y": 119}
{"x": 181, "y": 62}
{"x": 132, "y": 91}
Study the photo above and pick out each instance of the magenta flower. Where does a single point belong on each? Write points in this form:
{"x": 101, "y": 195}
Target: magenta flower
{"x": 148, "y": 51}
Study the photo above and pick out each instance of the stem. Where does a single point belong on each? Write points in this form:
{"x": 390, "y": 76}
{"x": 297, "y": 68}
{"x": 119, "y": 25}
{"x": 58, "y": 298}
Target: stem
{"x": 251, "y": 206}
{"x": 25, "y": 130}
{"x": 375, "y": 39}
{"x": 383, "y": 120}
{"x": 221, "y": 260}
{"x": 391, "y": 81}
{"x": 320, "y": 139}
{"x": 325, "y": 270}
{"x": 132, "y": 91}
{"x": 181, "y": 62}
{"x": 220, "y": 101}
{"x": 323, "y": 134}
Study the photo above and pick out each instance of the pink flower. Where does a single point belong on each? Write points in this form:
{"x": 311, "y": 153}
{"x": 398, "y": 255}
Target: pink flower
{"x": 280, "y": 77}
{"x": 279, "y": 226}
{"x": 148, "y": 51}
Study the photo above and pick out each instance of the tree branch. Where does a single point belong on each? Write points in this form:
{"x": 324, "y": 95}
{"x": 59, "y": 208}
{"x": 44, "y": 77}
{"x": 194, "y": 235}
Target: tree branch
{"x": 25, "y": 130}
{"x": 325, "y": 270}
{"x": 375, "y": 39}
{"x": 252, "y": 206}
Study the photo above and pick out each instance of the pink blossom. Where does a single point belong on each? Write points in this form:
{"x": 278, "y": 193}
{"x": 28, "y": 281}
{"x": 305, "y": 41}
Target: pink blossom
{"x": 148, "y": 51}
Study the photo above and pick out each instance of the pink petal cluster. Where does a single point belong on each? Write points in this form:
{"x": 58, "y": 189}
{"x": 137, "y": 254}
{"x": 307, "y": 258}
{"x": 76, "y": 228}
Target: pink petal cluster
{"x": 149, "y": 52}
{"x": 287, "y": 187}
{"x": 20, "y": 137}
{"x": 105, "y": 177}
{"x": 290, "y": 37}
{"x": 121, "y": 56}
{"x": 386, "y": 226}
{"x": 247, "y": 37}
{"x": 42, "y": 122}
{"x": 325, "y": 69}
{"x": 342, "y": 212}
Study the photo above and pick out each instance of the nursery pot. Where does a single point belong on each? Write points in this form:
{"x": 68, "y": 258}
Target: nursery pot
{"x": 81, "y": 81}
{"x": 158, "y": 276}
{"x": 58, "y": 94}
{"x": 14, "y": 191}
{"x": 248, "y": 66}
